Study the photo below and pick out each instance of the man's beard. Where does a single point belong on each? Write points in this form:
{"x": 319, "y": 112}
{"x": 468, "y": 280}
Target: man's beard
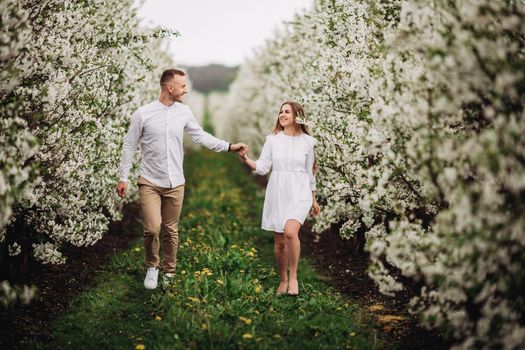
{"x": 176, "y": 98}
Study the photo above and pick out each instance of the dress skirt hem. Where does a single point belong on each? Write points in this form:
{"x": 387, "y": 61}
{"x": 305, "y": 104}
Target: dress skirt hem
{"x": 285, "y": 221}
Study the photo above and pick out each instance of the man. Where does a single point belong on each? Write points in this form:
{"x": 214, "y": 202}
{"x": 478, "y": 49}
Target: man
{"x": 159, "y": 127}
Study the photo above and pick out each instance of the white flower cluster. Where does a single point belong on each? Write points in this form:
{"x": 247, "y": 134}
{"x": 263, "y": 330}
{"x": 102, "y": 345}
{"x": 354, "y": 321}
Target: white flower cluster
{"x": 72, "y": 73}
{"x": 48, "y": 253}
{"x": 418, "y": 107}
{"x": 14, "y": 249}
{"x": 10, "y": 294}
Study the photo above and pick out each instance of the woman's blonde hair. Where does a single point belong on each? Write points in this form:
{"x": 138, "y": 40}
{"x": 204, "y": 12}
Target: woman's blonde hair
{"x": 297, "y": 111}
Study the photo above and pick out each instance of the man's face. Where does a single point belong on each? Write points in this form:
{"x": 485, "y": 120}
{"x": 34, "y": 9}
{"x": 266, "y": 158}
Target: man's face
{"x": 178, "y": 88}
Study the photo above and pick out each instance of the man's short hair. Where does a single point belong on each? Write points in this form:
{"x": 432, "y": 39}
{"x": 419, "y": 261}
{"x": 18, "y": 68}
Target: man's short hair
{"x": 168, "y": 74}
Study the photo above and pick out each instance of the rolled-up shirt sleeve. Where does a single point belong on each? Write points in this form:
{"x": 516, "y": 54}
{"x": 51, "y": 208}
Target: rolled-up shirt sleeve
{"x": 129, "y": 148}
{"x": 310, "y": 160}
{"x": 198, "y": 135}
{"x": 264, "y": 163}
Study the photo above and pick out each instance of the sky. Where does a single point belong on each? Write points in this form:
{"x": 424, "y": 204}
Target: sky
{"x": 220, "y": 31}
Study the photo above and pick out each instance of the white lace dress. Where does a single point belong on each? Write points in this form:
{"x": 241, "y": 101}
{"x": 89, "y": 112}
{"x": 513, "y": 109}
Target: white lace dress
{"x": 289, "y": 190}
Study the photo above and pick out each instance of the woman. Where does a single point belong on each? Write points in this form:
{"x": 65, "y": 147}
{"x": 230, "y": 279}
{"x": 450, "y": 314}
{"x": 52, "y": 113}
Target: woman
{"x": 290, "y": 193}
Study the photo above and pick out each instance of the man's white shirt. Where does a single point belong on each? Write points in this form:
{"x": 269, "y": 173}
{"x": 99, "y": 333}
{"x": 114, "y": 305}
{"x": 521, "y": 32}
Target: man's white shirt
{"x": 160, "y": 129}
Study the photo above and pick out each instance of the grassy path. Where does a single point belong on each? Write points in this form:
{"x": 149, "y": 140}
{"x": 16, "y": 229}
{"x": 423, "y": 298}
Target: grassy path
{"x": 224, "y": 294}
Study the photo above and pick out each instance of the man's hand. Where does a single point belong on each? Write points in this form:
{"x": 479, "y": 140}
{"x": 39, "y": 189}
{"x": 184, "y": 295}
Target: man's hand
{"x": 238, "y": 147}
{"x": 121, "y": 188}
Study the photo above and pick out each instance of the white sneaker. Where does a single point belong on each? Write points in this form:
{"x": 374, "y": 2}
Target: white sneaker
{"x": 150, "y": 282}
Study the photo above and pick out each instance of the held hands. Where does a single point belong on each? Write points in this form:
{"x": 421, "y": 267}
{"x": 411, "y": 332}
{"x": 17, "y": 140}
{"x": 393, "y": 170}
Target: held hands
{"x": 239, "y": 147}
{"x": 121, "y": 188}
{"x": 243, "y": 154}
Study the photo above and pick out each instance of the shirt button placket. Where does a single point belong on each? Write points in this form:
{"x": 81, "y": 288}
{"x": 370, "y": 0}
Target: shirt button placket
{"x": 168, "y": 147}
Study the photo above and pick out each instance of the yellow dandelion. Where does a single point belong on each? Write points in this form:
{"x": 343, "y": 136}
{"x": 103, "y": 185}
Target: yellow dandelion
{"x": 247, "y": 336}
{"x": 140, "y": 347}
{"x": 220, "y": 282}
{"x": 258, "y": 289}
{"x": 137, "y": 249}
{"x": 204, "y": 326}
{"x": 246, "y": 321}
{"x": 250, "y": 254}
{"x": 352, "y": 334}
{"x": 193, "y": 299}
{"x": 158, "y": 318}
{"x": 206, "y": 272}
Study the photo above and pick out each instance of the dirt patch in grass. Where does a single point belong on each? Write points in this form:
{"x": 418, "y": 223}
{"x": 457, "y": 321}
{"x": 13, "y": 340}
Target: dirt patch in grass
{"x": 59, "y": 284}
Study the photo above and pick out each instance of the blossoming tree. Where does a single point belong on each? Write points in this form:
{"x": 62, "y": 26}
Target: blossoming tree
{"x": 72, "y": 73}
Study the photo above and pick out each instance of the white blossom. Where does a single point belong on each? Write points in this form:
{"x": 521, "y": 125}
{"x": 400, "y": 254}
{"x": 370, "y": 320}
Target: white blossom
{"x": 14, "y": 249}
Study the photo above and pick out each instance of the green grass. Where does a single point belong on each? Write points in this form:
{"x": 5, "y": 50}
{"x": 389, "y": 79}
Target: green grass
{"x": 223, "y": 296}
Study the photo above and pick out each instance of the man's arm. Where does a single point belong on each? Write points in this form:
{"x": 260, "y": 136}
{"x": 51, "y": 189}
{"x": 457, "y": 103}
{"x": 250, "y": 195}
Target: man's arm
{"x": 129, "y": 148}
{"x": 198, "y": 135}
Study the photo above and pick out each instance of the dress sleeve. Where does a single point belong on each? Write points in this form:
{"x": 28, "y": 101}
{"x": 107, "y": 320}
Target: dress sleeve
{"x": 129, "y": 148}
{"x": 310, "y": 159}
{"x": 264, "y": 163}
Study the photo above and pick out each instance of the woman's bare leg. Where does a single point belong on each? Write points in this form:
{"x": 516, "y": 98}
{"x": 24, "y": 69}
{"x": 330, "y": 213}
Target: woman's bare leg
{"x": 293, "y": 250}
{"x": 279, "y": 249}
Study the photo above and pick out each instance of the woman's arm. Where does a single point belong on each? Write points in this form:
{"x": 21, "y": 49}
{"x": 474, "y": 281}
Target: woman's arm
{"x": 262, "y": 165}
{"x": 248, "y": 161}
{"x": 310, "y": 161}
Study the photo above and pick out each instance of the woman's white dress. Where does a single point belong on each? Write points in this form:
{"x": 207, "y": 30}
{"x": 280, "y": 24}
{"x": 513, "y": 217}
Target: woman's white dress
{"x": 289, "y": 189}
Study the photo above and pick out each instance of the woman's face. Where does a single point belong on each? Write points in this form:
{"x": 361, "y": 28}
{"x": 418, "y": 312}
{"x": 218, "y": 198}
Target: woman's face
{"x": 286, "y": 117}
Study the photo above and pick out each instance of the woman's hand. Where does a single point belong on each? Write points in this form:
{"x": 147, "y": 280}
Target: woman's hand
{"x": 316, "y": 209}
{"x": 243, "y": 153}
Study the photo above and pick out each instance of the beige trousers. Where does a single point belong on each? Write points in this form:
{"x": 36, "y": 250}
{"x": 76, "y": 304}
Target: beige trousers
{"x": 161, "y": 208}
